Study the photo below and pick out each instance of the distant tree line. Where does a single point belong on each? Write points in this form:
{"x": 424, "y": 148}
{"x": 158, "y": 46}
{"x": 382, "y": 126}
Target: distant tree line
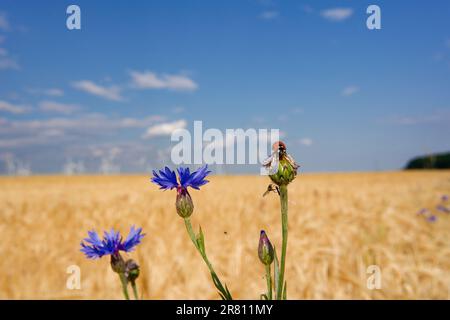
{"x": 432, "y": 161}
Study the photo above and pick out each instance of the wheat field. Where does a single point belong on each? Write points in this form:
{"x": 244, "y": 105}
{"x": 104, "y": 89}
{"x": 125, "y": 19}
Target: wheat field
{"x": 339, "y": 224}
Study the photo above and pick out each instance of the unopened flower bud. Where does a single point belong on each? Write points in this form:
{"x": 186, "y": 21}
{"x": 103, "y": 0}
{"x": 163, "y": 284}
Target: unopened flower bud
{"x": 265, "y": 249}
{"x": 184, "y": 203}
{"x": 117, "y": 263}
{"x": 131, "y": 270}
{"x": 287, "y": 168}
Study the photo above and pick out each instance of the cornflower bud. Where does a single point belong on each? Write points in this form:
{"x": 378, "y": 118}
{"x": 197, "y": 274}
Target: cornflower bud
{"x": 117, "y": 263}
{"x": 265, "y": 249}
{"x": 184, "y": 203}
{"x": 131, "y": 270}
{"x": 282, "y": 167}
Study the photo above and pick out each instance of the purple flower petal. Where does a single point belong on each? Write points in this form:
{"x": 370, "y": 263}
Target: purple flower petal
{"x": 111, "y": 243}
{"x": 134, "y": 238}
{"x": 443, "y": 208}
{"x": 184, "y": 174}
{"x": 166, "y": 179}
{"x": 422, "y": 211}
{"x": 197, "y": 178}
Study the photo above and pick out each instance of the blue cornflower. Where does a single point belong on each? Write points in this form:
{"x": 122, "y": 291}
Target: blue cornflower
{"x": 422, "y": 211}
{"x": 167, "y": 179}
{"x": 111, "y": 243}
{"x": 443, "y": 208}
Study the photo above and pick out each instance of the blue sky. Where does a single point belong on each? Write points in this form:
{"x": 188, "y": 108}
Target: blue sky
{"x": 345, "y": 97}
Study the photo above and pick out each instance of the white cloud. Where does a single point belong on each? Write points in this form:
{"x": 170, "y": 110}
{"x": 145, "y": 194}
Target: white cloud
{"x": 110, "y": 93}
{"x": 72, "y": 167}
{"x": 52, "y": 106}
{"x": 150, "y": 80}
{"x": 107, "y": 159}
{"x": 139, "y": 123}
{"x": 350, "y": 90}
{"x": 434, "y": 118}
{"x": 232, "y": 139}
{"x": 15, "y": 166}
{"x": 4, "y": 23}
{"x": 12, "y": 108}
{"x": 269, "y": 15}
{"x": 305, "y": 142}
{"x": 51, "y": 92}
{"x": 82, "y": 124}
{"x": 297, "y": 110}
{"x": 177, "y": 110}
{"x": 407, "y": 120}
{"x": 69, "y": 131}
{"x": 164, "y": 129}
{"x": 115, "y": 156}
{"x": 8, "y": 63}
{"x": 54, "y": 92}
{"x": 337, "y": 14}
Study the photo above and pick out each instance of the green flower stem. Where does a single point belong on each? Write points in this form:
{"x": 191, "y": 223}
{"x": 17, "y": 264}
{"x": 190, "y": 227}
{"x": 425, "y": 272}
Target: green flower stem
{"x": 284, "y": 224}
{"x": 225, "y": 294}
{"x": 135, "y": 291}
{"x": 269, "y": 282}
{"x": 123, "y": 280}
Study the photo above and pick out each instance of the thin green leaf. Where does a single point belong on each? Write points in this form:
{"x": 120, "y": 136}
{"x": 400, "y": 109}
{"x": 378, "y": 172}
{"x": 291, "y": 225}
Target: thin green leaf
{"x": 276, "y": 273}
{"x": 216, "y": 281}
{"x": 285, "y": 291}
{"x": 200, "y": 240}
{"x": 228, "y": 293}
{"x": 224, "y": 293}
{"x": 263, "y": 296}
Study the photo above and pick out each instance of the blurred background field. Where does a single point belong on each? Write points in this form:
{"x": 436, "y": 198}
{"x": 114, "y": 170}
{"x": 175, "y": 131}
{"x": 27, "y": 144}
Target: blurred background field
{"x": 339, "y": 225}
